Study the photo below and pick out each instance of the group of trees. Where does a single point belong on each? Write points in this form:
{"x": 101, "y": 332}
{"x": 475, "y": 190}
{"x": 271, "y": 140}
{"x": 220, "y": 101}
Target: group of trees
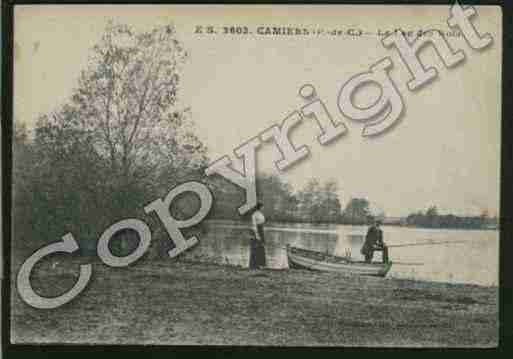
{"x": 120, "y": 141}
{"x": 319, "y": 202}
{"x": 316, "y": 202}
{"x": 357, "y": 211}
{"x": 117, "y": 143}
{"x": 432, "y": 219}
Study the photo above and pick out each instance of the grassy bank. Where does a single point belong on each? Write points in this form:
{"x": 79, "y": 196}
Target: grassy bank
{"x": 166, "y": 302}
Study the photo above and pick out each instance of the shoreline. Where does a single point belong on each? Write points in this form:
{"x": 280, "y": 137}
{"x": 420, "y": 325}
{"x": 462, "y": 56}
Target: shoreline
{"x": 186, "y": 302}
{"x": 246, "y": 224}
{"x": 420, "y": 282}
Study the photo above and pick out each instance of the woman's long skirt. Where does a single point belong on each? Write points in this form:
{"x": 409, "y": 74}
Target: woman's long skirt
{"x": 257, "y": 251}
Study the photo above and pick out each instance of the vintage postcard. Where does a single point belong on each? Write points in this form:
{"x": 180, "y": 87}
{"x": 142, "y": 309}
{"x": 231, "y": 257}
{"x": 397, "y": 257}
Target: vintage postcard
{"x": 265, "y": 175}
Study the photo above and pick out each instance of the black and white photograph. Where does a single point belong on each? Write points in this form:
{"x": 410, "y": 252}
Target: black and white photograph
{"x": 264, "y": 175}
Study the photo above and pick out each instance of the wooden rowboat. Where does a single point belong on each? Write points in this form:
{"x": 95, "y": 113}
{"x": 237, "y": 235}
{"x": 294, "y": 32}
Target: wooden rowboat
{"x": 307, "y": 259}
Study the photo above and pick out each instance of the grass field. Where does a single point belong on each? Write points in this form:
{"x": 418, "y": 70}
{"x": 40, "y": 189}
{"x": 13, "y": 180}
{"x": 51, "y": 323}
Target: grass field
{"x": 179, "y": 302}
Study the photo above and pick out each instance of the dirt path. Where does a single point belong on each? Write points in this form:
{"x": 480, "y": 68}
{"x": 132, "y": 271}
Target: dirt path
{"x": 190, "y": 303}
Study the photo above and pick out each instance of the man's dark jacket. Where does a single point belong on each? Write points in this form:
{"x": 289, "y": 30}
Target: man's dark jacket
{"x": 373, "y": 239}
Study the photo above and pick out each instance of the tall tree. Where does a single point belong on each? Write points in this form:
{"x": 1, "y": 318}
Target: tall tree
{"x": 357, "y": 211}
{"x": 125, "y": 103}
{"x": 319, "y": 202}
{"x": 308, "y": 199}
{"x": 22, "y": 174}
{"x": 331, "y": 208}
{"x": 120, "y": 140}
{"x": 277, "y": 197}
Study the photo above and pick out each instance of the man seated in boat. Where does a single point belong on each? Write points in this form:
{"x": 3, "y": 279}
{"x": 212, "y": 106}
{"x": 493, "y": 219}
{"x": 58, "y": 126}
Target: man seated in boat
{"x": 374, "y": 242}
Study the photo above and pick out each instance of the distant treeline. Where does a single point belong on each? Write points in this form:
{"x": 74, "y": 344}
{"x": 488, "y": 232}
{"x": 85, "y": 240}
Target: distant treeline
{"x": 432, "y": 219}
{"x": 316, "y": 202}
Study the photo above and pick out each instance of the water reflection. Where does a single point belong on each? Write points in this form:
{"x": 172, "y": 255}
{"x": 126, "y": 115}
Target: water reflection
{"x": 473, "y": 261}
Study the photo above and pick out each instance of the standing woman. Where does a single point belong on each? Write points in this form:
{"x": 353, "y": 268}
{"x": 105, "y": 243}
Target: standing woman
{"x": 257, "y": 250}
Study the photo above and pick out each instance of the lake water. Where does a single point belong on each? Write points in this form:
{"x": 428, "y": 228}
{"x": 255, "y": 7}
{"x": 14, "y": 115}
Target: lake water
{"x": 470, "y": 256}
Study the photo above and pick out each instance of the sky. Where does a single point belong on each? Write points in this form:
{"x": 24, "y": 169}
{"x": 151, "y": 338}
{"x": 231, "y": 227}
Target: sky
{"x": 445, "y": 151}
